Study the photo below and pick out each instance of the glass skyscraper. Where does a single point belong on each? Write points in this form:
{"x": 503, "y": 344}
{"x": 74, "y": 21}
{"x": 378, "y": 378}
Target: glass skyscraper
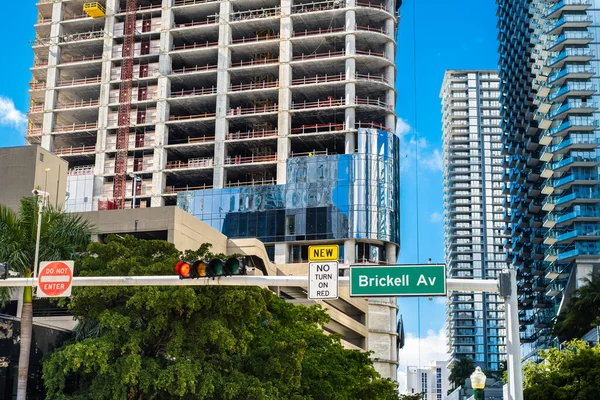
{"x": 474, "y": 212}
{"x": 549, "y": 70}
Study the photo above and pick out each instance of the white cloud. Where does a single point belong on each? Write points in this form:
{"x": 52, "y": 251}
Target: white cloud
{"x": 436, "y": 217}
{"x": 402, "y": 127}
{"x": 431, "y": 348}
{"x": 412, "y": 148}
{"x": 9, "y": 115}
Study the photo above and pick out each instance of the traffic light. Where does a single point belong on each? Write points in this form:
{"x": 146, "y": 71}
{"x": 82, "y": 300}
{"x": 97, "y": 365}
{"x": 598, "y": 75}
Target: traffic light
{"x": 3, "y": 271}
{"x": 211, "y": 268}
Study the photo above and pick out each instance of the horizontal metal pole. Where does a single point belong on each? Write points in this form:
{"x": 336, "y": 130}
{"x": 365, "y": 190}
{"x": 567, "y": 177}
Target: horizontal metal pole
{"x": 473, "y": 285}
{"x": 467, "y": 285}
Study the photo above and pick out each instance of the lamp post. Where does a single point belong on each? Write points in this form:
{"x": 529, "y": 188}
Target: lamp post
{"x": 136, "y": 179}
{"x": 478, "y": 382}
{"x": 43, "y": 195}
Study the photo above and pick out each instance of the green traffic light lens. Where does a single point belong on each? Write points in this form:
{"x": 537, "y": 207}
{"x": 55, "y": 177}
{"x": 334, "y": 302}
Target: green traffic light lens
{"x": 233, "y": 266}
{"x": 215, "y": 267}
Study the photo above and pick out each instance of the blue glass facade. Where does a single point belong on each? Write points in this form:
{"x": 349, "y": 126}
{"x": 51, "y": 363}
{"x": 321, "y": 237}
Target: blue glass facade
{"x": 549, "y": 70}
{"x": 337, "y": 197}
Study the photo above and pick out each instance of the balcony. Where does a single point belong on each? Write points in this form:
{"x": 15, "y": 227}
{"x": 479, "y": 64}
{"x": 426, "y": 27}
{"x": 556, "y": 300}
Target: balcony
{"x": 580, "y": 124}
{"x": 571, "y": 72}
{"x": 575, "y": 178}
{"x": 570, "y": 55}
{"x": 580, "y": 249}
{"x": 567, "y": 5}
{"x": 572, "y": 107}
{"x": 569, "y": 21}
{"x": 573, "y": 89}
{"x": 569, "y": 38}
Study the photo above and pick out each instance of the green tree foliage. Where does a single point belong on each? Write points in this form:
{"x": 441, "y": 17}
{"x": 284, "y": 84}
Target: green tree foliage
{"x": 62, "y": 237}
{"x": 583, "y": 311}
{"x": 198, "y": 342}
{"x": 460, "y": 371}
{"x": 415, "y": 396}
{"x": 569, "y": 374}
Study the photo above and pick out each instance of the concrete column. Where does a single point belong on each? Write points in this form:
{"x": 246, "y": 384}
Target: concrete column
{"x": 52, "y": 78}
{"x": 349, "y": 253}
{"x": 281, "y": 253}
{"x": 390, "y": 51}
{"x": 284, "y": 119}
{"x": 161, "y": 135}
{"x": 350, "y": 89}
{"x": 222, "y": 106}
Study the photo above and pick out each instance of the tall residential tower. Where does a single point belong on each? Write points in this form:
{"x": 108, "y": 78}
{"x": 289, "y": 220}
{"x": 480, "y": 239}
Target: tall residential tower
{"x": 549, "y": 69}
{"x": 474, "y": 226}
{"x": 271, "y": 119}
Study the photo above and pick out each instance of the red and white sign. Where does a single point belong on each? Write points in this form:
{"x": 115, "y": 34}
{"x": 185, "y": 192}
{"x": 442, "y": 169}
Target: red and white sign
{"x": 55, "y": 279}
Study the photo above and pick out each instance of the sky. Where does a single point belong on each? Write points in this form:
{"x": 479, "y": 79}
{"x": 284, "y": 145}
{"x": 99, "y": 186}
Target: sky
{"x": 446, "y": 37}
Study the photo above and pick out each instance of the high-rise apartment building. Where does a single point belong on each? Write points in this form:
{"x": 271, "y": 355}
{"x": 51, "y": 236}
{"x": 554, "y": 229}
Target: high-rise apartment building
{"x": 264, "y": 118}
{"x": 549, "y": 71}
{"x": 474, "y": 212}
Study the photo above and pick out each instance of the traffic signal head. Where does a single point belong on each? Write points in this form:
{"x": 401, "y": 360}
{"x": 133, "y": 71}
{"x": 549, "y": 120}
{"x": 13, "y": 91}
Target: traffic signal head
{"x": 211, "y": 268}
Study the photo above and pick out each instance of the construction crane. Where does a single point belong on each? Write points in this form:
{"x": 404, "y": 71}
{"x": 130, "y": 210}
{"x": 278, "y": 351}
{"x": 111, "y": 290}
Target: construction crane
{"x": 124, "y": 105}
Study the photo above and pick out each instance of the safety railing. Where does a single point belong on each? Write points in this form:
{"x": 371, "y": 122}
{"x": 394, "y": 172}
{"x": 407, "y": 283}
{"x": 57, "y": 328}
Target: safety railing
{"x": 233, "y": 160}
{"x": 78, "y": 104}
{"x": 317, "y": 128}
{"x": 261, "y": 182}
{"x": 209, "y": 20}
{"x": 195, "y": 46}
{"x": 178, "y": 189}
{"x": 188, "y": 117}
{"x": 193, "y": 140}
{"x": 312, "y": 56}
{"x": 194, "y": 92}
{"x": 74, "y": 82}
{"x": 256, "y": 38}
{"x": 196, "y": 68}
{"x": 77, "y": 37}
{"x": 75, "y": 127}
{"x": 255, "y": 134}
{"x": 253, "y": 86}
{"x": 71, "y": 59}
{"x": 252, "y": 110}
{"x": 255, "y": 62}
{"x": 254, "y": 14}
{"x": 68, "y": 151}
{"x": 191, "y": 163}
{"x": 319, "y": 79}
{"x": 179, "y": 3}
{"x": 331, "y": 102}
{"x": 319, "y": 31}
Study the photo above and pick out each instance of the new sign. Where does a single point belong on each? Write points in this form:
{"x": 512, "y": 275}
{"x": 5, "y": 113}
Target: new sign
{"x": 398, "y": 280}
{"x": 55, "y": 279}
{"x": 328, "y": 252}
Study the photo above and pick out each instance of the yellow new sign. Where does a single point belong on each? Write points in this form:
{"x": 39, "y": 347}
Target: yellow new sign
{"x": 328, "y": 252}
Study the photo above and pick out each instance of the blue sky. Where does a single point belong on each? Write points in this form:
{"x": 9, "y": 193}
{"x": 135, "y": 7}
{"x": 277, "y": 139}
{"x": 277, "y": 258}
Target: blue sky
{"x": 447, "y": 37}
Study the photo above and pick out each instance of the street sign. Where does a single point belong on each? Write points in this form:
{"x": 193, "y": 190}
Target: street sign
{"x": 398, "y": 280}
{"x": 323, "y": 282}
{"x": 328, "y": 252}
{"x": 55, "y": 279}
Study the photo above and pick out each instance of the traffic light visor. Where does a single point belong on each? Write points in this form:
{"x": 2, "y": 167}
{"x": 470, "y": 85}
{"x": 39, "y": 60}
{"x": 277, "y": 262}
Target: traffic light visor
{"x": 215, "y": 267}
{"x": 234, "y": 266}
{"x": 199, "y": 268}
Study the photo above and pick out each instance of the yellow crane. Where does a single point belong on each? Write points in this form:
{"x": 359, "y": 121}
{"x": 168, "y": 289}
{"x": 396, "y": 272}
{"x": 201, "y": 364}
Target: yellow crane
{"x": 94, "y": 9}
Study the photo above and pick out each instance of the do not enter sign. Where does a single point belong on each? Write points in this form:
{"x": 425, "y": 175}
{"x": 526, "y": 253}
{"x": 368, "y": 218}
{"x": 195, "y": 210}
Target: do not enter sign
{"x": 55, "y": 279}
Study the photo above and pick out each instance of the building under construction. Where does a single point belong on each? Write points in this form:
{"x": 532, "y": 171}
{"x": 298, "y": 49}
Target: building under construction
{"x": 264, "y": 118}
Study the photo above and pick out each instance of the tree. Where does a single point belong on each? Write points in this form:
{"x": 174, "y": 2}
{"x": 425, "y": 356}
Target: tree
{"x": 460, "y": 371}
{"x": 62, "y": 236}
{"x": 583, "y": 311}
{"x": 569, "y": 374}
{"x": 414, "y": 396}
{"x": 197, "y": 342}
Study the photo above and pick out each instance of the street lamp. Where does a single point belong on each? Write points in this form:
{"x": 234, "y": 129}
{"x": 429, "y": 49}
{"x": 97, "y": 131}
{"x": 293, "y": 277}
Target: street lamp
{"x": 478, "y": 382}
{"x": 43, "y": 195}
{"x": 135, "y": 180}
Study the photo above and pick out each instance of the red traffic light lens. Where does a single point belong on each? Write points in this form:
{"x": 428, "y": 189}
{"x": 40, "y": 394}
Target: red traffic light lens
{"x": 183, "y": 269}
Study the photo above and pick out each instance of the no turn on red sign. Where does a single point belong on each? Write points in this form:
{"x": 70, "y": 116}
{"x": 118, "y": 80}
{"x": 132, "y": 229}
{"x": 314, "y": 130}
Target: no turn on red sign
{"x": 55, "y": 279}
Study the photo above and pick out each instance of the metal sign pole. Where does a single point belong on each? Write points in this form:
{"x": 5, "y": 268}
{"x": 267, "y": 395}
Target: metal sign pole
{"x": 505, "y": 285}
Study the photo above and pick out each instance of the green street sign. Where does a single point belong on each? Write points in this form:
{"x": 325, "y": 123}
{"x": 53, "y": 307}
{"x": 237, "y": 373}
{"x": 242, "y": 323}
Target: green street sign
{"x": 398, "y": 280}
